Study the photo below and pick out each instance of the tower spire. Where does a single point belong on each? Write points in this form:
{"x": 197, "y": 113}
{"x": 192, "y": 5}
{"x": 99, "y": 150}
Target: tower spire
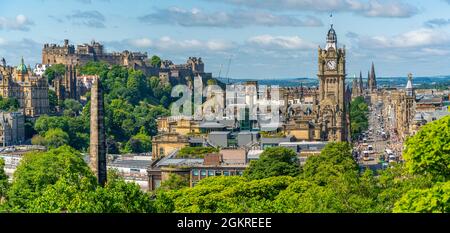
{"x": 331, "y": 19}
{"x": 331, "y": 36}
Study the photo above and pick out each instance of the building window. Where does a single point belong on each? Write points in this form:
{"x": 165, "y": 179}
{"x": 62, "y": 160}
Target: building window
{"x": 226, "y": 173}
{"x": 161, "y": 151}
{"x": 195, "y": 172}
{"x": 210, "y": 173}
{"x": 239, "y": 173}
{"x": 218, "y": 173}
{"x": 203, "y": 172}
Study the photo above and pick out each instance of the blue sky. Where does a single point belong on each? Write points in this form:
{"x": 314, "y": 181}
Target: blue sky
{"x": 265, "y": 39}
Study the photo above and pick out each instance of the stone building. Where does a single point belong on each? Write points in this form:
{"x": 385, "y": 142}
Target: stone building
{"x": 333, "y": 105}
{"x": 227, "y": 162}
{"x": 357, "y": 87}
{"x": 67, "y": 54}
{"x": 66, "y": 87}
{"x": 12, "y": 131}
{"x": 400, "y": 108}
{"x": 165, "y": 143}
{"x": 372, "y": 80}
{"x": 182, "y": 73}
{"x": 30, "y": 90}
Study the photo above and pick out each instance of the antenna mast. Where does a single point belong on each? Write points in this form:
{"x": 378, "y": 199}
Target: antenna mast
{"x": 228, "y": 69}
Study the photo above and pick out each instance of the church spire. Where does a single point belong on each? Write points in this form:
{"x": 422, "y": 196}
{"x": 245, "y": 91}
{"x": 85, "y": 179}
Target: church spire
{"x": 331, "y": 36}
{"x": 373, "y": 78}
{"x": 409, "y": 86}
{"x": 361, "y": 83}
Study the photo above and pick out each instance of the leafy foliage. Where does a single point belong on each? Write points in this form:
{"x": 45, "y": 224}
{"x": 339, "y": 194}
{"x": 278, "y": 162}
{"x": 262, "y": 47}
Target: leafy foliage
{"x": 432, "y": 200}
{"x": 37, "y": 170}
{"x": 358, "y": 116}
{"x": 155, "y": 61}
{"x": 428, "y": 152}
{"x": 76, "y": 128}
{"x": 196, "y": 152}
{"x": 276, "y": 161}
{"x": 4, "y": 185}
{"x": 175, "y": 182}
{"x": 9, "y": 104}
{"x": 54, "y": 71}
{"x": 60, "y": 181}
{"x": 140, "y": 143}
{"x": 52, "y": 100}
{"x": 83, "y": 196}
{"x": 72, "y": 108}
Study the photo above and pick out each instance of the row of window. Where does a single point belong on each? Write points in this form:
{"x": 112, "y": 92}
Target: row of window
{"x": 204, "y": 172}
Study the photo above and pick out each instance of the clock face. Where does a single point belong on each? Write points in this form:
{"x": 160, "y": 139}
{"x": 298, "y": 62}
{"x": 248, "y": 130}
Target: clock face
{"x": 331, "y": 65}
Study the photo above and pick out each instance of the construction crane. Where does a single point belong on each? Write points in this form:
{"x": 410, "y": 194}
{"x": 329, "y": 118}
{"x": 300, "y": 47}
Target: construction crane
{"x": 228, "y": 69}
{"x": 220, "y": 70}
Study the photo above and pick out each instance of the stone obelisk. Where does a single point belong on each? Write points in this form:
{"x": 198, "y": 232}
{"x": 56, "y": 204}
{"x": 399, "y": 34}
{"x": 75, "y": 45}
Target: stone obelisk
{"x": 98, "y": 142}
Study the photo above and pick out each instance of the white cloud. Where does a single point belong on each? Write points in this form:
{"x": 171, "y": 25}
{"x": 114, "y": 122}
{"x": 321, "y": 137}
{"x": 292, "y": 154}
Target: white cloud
{"x": 12, "y": 51}
{"x": 2, "y": 41}
{"x": 437, "y": 22}
{"x": 20, "y": 22}
{"x": 141, "y": 43}
{"x": 92, "y": 18}
{"x": 417, "y": 38}
{"x": 236, "y": 19}
{"x": 371, "y": 8}
{"x": 169, "y": 44}
{"x": 280, "y": 42}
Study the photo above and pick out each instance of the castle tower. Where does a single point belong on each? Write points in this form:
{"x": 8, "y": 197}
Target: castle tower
{"x": 332, "y": 93}
{"x": 97, "y": 137}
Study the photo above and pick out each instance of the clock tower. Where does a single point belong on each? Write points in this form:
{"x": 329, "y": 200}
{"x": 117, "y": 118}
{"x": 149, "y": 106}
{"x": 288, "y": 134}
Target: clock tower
{"x": 333, "y": 106}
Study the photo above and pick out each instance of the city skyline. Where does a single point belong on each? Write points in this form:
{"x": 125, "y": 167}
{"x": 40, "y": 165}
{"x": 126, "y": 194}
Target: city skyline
{"x": 270, "y": 39}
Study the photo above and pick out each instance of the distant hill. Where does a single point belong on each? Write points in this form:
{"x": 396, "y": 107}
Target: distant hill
{"x": 399, "y": 82}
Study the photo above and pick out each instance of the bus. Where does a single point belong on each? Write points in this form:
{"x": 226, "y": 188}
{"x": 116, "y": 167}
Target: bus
{"x": 366, "y": 156}
{"x": 370, "y": 149}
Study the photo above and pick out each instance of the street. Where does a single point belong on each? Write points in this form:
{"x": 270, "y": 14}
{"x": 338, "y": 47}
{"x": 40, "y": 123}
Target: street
{"x": 373, "y": 150}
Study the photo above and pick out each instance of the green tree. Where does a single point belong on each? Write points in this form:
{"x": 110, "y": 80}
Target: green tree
{"x": 432, "y": 200}
{"x": 428, "y": 152}
{"x": 229, "y": 194}
{"x": 95, "y": 68}
{"x": 52, "y": 100}
{"x": 72, "y": 107}
{"x": 9, "y": 104}
{"x": 358, "y": 116}
{"x": 139, "y": 143}
{"x": 334, "y": 160}
{"x": 77, "y": 128}
{"x": 38, "y": 140}
{"x": 276, "y": 161}
{"x": 155, "y": 61}
{"x": 55, "y": 138}
{"x": 175, "y": 182}
{"x": 4, "y": 185}
{"x": 54, "y": 71}
{"x": 37, "y": 170}
{"x": 84, "y": 196}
